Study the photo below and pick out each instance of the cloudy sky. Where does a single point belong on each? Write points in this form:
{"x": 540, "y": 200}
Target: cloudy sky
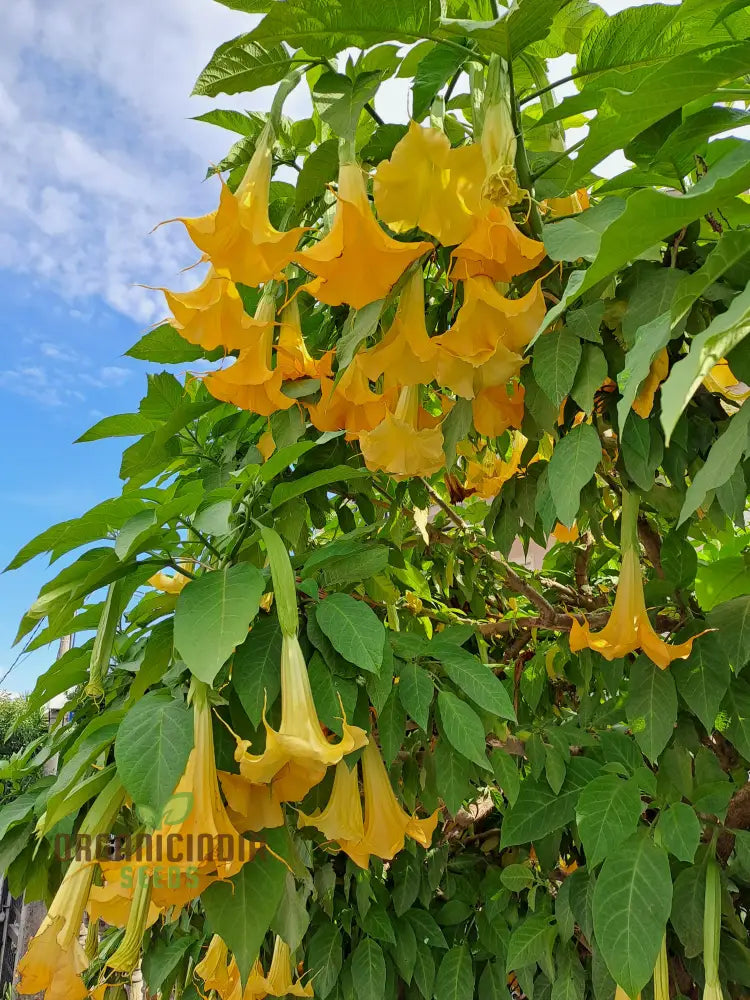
{"x": 96, "y": 146}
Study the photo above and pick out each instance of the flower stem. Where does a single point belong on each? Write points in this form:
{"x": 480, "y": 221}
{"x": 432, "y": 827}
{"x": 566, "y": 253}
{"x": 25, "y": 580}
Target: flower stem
{"x": 629, "y": 521}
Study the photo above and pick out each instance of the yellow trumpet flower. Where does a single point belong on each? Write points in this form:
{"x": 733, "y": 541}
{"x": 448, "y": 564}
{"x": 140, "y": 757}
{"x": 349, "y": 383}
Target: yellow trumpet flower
{"x": 219, "y": 971}
{"x": 644, "y": 401}
{"x": 356, "y": 262}
{"x": 342, "y": 819}
{"x": 173, "y": 583}
{"x": 431, "y": 186}
{"x": 211, "y": 315}
{"x": 279, "y": 981}
{"x": 401, "y": 445}
{"x": 562, "y": 534}
{"x": 292, "y": 356}
{"x": 349, "y": 404}
{"x": 629, "y": 628}
{"x": 297, "y": 755}
{"x": 406, "y": 354}
{"x": 489, "y": 476}
{"x": 499, "y": 146}
{"x": 250, "y": 807}
{"x": 238, "y": 237}
{"x": 569, "y": 205}
{"x": 251, "y": 383}
{"x": 498, "y": 407}
{"x": 125, "y": 957}
{"x": 722, "y": 379}
{"x": 496, "y": 248}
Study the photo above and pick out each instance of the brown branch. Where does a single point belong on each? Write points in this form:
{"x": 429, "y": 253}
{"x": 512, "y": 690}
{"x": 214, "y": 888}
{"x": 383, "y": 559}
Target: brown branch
{"x": 651, "y": 543}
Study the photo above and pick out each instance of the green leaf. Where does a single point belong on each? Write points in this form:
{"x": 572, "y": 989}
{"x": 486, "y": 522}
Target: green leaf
{"x": 632, "y": 901}
{"x": 324, "y": 958}
{"x": 725, "y": 455}
{"x": 462, "y": 728}
{"x": 703, "y": 678}
{"x": 416, "y": 690}
{"x": 340, "y": 99}
{"x": 531, "y": 943}
{"x": 256, "y": 667}
{"x": 538, "y": 812}
{"x": 407, "y": 877}
{"x": 517, "y": 877}
{"x": 323, "y": 477}
{"x": 405, "y": 952}
{"x": 474, "y": 678}
{"x": 506, "y": 774}
{"x": 453, "y": 784}
{"x": 164, "y": 346}
{"x": 570, "y": 979}
{"x": 319, "y": 169}
{"x": 240, "y": 910}
{"x": 590, "y": 376}
{"x": 642, "y": 450}
{"x": 455, "y": 976}
{"x": 680, "y": 831}
{"x": 687, "y": 908}
{"x": 737, "y": 706}
{"x": 645, "y": 218}
{"x": 161, "y": 960}
{"x": 118, "y": 425}
{"x": 572, "y": 465}
{"x": 391, "y": 728}
{"x": 433, "y": 72}
{"x": 607, "y": 814}
{"x": 722, "y": 580}
{"x": 152, "y": 748}
{"x": 213, "y": 615}
{"x": 355, "y": 631}
{"x": 732, "y": 622}
{"x": 555, "y": 362}
{"x": 651, "y": 706}
{"x": 424, "y": 970}
{"x": 241, "y": 65}
{"x": 368, "y": 970}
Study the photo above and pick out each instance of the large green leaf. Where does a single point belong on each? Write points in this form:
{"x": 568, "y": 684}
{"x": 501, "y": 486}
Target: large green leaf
{"x": 703, "y": 678}
{"x": 354, "y": 630}
{"x": 462, "y": 728}
{"x": 368, "y": 970}
{"x": 433, "y": 72}
{"x": 474, "y": 678}
{"x": 240, "y": 910}
{"x": 341, "y": 99}
{"x": 632, "y": 900}
{"x": 555, "y": 362}
{"x": 725, "y": 331}
{"x": 416, "y": 690}
{"x": 651, "y": 706}
{"x": 572, "y": 465}
{"x": 152, "y": 748}
{"x": 324, "y": 958}
{"x": 732, "y": 622}
{"x": 213, "y": 616}
{"x": 531, "y": 942}
{"x": 455, "y": 975}
{"x": 607, "y": 814}
{"x": 256, "y": 668}
{"x": 242, "y": 65}
{"x": 537, "y": 811}
{"x": 680, "y": 831}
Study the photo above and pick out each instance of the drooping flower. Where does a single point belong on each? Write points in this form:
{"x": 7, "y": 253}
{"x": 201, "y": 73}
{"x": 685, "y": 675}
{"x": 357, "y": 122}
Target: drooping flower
{"x": 497, "y": 408}
{"x": 54, "y": 960}
{"x": 357, "y": 262}
{"x": 644, "y": 401}
{"x": 251, "y": 807}
{"x": 238, "y": 237}
{"x": 496, "y": 248}
{"x": 722, "y": 379}
{"x": 219, "y": 971}
{"x": 279, "y": 981}
{"x": 428, "y": 185}
{"x": 251, "y": 383}
{"x": 211, "y": 315}
{"x": 406, "y": 354}
{"x": 569, "y": 205}
{"x": 292, "y": 356}
{"x": 401, "y": 444}
{"x": 349, "y": 403}
{"x": 386, "y": 823}
{"x": 629, "y": 628}
{"x": 126, "y": 955}
{"x": 499, "y": 146}
{"x": 297, "y": 755}
{"x": 342, "y": 819}
{"x": 487, "y": 478}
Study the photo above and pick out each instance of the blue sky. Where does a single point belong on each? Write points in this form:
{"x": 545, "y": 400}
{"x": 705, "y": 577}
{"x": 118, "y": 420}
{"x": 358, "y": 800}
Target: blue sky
{"x": 96, "y": 146}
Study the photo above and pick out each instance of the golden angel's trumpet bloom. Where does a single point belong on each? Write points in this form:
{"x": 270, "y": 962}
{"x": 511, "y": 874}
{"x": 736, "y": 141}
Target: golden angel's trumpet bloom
{"x": 357, "y": 262}
{"x": 498, "y": 407}
{"x": 428, "y": 185}
{"x": 386, "y": 823}
{"x": 251, "y": 383}
{"x": 487, "y": 478}
{"x": 250, "y": 807}
{"x": 111, "y": 903}
{"x": 644, "y": 401}
{"x": 238, "y": 237}
{"x": 629, "y": 628}
{"x": 342, "y": 819}
{"x": 297, "y": 755}
{"x": 169, "y": 583}
{"x": 402, "y": 445}
{"x": 569, "y": 205}
{"x": 219, "y": 971}
{"x": 721, "y": 379}
{"x": 349, "y": 404}
{"x": 496, "y": 248}
{"x": 562, "y": 534}
{"x": 279, "y": 981}
{"x": 406, "y": 354}
{"x": 125, "y": 957}
{"x": 292, "y": 357}
{"x": 499, "y": 146}
{"x": 211, "y": 315}
{"x": 54, "y": 960}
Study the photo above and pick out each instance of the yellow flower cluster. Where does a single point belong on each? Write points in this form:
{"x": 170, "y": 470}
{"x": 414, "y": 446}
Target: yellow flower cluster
{"x": 460, "y": 198}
